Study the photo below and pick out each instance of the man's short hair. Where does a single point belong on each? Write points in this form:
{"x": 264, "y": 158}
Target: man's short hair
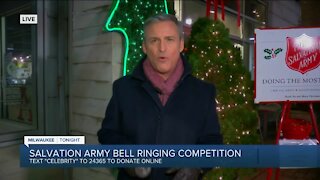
{"x": 161, "y": 18}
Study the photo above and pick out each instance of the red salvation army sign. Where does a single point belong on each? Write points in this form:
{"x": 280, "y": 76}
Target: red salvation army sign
{"x": 303, "y": 53}
{"x": 287, "y": 65}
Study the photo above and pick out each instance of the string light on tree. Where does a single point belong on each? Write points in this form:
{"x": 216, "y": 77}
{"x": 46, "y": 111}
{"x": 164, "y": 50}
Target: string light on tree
{"x": 222, "y": 65}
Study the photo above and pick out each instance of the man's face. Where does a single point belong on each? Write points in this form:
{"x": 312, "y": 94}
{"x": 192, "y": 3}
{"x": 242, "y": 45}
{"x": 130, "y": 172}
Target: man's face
{"x": 162, "y": 45}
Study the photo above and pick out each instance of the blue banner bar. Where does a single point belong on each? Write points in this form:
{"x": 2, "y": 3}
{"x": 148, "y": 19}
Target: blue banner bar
{"x": 258, "y": 156}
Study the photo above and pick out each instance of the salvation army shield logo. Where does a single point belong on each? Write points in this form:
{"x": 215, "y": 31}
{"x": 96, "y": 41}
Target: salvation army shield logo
{"x": 303, "y": 53}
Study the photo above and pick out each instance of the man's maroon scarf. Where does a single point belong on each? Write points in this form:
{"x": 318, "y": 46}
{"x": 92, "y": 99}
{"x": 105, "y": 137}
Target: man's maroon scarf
{"x": 165, "y": 87}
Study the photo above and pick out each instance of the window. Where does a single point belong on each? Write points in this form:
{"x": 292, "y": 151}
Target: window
{"x": 17, "y": 62}
{"x": 253, "y": 15}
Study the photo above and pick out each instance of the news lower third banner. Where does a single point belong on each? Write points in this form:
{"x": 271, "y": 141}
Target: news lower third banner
{"x": 58, "y": 153}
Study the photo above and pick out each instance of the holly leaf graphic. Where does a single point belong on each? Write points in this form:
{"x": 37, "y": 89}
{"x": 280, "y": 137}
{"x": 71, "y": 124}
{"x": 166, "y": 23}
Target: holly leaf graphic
{"x": 268, "y": 51}
{"x": 267, "y": 57}
{"x": 278, "y": 50}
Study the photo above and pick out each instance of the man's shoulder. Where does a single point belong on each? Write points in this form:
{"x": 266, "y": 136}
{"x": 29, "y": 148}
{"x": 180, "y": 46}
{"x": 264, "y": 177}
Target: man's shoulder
{"x": 124, "y": 81}
{"x": 201, "y": 84}
{"x": 201, "y": 88}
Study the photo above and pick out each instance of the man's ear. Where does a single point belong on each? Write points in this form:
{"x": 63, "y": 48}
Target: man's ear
{"x": 181, "y": 45}
{"x": 144, "y": 47}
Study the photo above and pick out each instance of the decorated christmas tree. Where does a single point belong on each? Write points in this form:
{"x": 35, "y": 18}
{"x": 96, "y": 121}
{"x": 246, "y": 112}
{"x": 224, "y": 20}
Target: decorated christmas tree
{"x": 127, "y": 17}
{"x": 214, "y": 59}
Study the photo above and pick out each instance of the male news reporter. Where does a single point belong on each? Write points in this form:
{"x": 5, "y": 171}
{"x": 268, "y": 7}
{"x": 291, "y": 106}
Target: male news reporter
{"x": 161, "y": 102}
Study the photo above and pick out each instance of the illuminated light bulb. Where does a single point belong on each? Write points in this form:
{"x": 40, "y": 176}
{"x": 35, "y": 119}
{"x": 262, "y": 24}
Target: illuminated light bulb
{"x": 188, "y": 21}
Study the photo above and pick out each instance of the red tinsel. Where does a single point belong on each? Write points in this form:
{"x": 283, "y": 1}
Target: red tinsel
{"x": 222, "y": 9}
{"x": 238, "y": 8}
{"x": 216, "y": 3}
{"x": 208, "y": 8}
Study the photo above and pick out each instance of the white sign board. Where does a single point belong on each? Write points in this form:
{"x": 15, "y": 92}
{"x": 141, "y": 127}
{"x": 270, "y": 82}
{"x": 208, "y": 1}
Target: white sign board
{"x": 287, "y": 65}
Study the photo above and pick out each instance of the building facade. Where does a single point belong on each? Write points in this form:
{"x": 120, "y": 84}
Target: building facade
{"x": 56, "y": 76}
